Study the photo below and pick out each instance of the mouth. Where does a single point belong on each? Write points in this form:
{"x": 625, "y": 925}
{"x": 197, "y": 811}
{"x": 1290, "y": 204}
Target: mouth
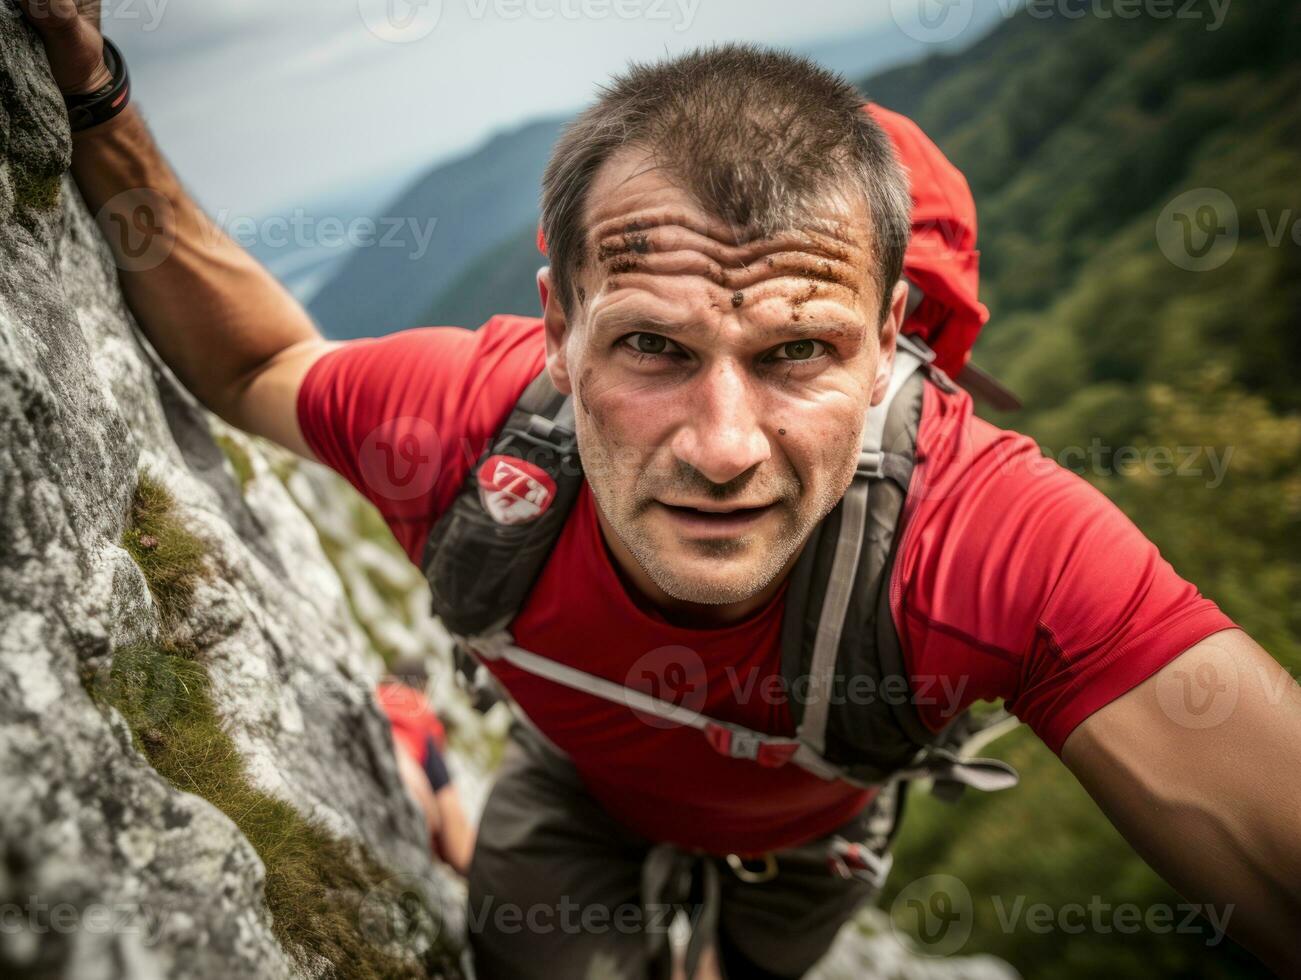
{"x": 708, "y": 520}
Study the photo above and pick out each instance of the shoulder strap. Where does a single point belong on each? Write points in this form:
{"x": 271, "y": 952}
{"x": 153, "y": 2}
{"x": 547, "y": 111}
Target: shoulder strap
{"x": 484, "y": 555}
{"x": 839, "y": 630}
{"x": 846, "y": 560}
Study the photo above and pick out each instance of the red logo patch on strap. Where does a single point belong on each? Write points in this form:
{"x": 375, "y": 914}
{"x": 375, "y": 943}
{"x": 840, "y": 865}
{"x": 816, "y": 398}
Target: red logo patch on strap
{"x": 514, "y": 491}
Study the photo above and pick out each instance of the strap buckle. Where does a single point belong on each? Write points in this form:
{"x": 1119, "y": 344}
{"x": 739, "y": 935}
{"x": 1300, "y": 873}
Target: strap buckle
{"x": 549, "y": 430}
{"x": 850, "y": 859}
{"x": 916, "y": 346}
{"x": 871, "y": 464}
{"x": 741, "y": 743}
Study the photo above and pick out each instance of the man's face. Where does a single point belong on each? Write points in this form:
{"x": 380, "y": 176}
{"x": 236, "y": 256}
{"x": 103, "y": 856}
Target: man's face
{"x": 720, "y": 388}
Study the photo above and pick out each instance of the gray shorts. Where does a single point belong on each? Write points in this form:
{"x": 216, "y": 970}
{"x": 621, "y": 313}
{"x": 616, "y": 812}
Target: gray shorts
{"x": 557, "y": 888}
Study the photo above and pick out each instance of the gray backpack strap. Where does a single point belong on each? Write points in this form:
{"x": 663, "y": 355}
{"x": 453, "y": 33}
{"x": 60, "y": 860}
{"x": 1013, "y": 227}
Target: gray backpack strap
{"x": 486, "y": 552}
{"x": 839, "y": 626}
{"x": 845, "y": 563}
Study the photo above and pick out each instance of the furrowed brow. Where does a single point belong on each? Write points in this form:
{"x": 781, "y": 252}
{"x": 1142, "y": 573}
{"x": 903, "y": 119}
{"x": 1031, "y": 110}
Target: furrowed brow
{"x": 628, "y": 321}
{"x": 631, "y": 321}
{"x": 813, "y": 329}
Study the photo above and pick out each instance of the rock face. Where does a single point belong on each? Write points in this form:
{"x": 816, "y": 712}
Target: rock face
{"x": 121, "y": 854}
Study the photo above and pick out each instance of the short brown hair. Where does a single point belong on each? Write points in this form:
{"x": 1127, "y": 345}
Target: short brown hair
{"x": 755, "y": 134}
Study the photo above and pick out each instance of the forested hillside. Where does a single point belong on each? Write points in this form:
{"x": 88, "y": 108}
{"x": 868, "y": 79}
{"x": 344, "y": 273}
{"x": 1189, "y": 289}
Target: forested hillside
{"x": 1142, "y": 356}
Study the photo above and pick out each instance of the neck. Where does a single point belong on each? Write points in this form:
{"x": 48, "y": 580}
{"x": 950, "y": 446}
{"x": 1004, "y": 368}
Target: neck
{"x": 680, "y": 612}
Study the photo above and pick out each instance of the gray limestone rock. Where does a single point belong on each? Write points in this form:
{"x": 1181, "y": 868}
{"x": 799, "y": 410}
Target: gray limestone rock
{"x": 106, "y": 869}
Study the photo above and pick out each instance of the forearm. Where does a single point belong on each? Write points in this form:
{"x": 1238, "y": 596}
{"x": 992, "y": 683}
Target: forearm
{"x": 1237, "y": 861}
{"x": 212, "y": 312}
{"x": 1210, "y": 799}
{"x": 455, "y": 834}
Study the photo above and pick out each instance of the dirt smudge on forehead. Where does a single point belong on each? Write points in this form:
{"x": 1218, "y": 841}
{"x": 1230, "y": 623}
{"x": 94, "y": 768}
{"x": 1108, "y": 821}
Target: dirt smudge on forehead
{"x": 683, "y": 245}
{"x": 809, "y": 292}
{"x": 635, "y": 242}
{"x": 623, "y": 263}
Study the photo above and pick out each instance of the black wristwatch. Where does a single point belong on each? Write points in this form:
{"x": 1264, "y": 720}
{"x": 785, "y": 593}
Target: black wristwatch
{"x": 92, "y": 108}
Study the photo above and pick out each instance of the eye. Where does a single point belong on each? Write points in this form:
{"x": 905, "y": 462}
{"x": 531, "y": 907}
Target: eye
{"x": 649, "y": 344}
{"x": 798, "y": 350}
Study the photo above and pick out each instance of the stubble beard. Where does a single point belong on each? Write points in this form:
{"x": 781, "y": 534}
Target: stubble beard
{"x": 626, "y": 515}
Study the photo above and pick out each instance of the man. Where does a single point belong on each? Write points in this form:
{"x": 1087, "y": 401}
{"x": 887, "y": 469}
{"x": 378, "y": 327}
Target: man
{"x": 420, "y": 743}
{"x": 726, "y": 234}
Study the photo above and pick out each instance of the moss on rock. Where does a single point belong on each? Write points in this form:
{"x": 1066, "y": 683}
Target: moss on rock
{"x": 240, "y": 461}
{"x": 35, "y": 190}
{"x": 169, "y": 556}
{"x": 329, "y": 900}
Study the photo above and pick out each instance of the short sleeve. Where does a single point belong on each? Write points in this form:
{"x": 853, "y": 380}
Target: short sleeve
{"x": 1018, "y": 579}
{"x": 404, "y": 417}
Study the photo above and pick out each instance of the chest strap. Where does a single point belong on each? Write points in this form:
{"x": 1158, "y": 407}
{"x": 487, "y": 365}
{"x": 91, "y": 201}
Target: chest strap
{"x": 728, "y": 739}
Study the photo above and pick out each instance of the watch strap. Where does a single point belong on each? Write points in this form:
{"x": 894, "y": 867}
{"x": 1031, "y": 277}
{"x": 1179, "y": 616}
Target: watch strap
{"x": 89, "y": 109}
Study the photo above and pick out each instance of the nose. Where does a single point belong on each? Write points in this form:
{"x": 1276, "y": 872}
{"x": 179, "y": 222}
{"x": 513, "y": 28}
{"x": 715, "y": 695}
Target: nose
{"x": 722, "y": 437}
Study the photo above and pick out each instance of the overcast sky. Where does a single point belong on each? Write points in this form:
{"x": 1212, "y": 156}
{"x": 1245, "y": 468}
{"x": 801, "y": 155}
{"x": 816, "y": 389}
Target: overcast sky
{"x": 262, "y": 105}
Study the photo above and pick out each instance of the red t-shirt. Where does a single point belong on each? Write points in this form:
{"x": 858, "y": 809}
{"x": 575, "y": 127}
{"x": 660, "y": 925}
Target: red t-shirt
{"x": 1015, "y": 579}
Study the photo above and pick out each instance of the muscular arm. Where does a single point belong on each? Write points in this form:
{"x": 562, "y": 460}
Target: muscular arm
{"x": 230, "y": 332}
{"x": 1200, "y": 768}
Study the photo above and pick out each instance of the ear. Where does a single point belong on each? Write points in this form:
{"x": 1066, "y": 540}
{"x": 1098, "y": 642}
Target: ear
{"x": 889, "y": 334}
{"x": 555, "y": 329}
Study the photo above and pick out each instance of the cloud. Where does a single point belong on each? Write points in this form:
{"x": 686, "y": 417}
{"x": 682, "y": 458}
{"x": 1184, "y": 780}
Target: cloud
{"x": 264, "y": 105}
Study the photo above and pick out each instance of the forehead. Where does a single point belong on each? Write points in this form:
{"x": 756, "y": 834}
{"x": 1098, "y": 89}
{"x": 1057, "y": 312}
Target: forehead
{"x": 645, "y": 230}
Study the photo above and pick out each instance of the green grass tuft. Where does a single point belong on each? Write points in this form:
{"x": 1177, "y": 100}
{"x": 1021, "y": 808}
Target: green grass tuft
{"x": 170, "y": 557}
{"x": 328, "y": 898}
